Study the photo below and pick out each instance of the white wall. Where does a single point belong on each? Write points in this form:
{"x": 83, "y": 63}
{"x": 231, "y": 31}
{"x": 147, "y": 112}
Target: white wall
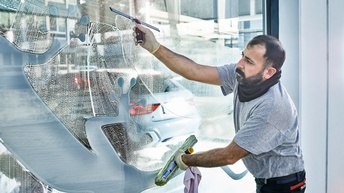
{"x": 318, "y": 48}
{"x": 313, "y": 91}
{"x": 336, "y": 97}
{"x": 289, "y": 31}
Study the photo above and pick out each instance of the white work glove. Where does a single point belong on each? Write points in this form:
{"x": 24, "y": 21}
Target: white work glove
{"x": 150, "y": 43}
{"x": 179, "y": 161}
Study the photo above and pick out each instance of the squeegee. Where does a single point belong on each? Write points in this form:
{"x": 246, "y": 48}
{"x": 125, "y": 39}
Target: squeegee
{"x": 139, "y": 34}
{"x": 171, "y": 167}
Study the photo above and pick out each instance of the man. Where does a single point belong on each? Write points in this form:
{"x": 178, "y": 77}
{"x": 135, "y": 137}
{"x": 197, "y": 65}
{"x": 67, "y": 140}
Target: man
{"x": 265, "y": 118}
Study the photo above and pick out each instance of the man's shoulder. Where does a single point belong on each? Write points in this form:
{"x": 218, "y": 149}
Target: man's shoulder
{"x": 279, "y": 95}
{"x": 277, "y": 102}
{"x": 275, "y": 99}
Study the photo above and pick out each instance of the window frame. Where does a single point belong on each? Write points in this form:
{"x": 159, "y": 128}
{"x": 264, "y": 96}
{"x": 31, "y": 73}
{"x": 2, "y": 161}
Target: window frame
{"x": 271, "y": 18}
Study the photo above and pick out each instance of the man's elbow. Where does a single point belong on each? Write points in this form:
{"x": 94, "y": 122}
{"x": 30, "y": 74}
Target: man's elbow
{"x": 231, "y": 160}
{"x": 234, "y": 153}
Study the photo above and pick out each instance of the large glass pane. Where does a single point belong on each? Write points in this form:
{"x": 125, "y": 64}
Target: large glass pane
{"x": 85, "y": 110}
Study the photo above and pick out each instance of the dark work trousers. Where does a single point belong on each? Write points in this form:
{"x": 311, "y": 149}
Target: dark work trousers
{"x": 294, "y": 183}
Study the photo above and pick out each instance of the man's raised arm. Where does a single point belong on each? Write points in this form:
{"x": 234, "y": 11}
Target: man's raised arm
{"x": 178, "y": 63}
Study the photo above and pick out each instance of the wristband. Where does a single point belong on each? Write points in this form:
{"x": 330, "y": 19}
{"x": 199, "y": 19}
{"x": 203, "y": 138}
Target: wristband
{"x": 152, "y": 52}
{"x": 179, "y": 161}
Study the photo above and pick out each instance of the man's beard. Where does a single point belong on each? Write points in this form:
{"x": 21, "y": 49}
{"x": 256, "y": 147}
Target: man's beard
{"x": 250, "y": 81}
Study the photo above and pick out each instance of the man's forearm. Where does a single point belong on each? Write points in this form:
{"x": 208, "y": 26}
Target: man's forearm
{"x": 176, "y": 62}
{"x": 216, "y": 157}
{"x": 211, "y": 158}
{"x": 187, "y": 67}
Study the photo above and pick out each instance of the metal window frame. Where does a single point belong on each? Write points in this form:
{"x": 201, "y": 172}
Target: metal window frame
{"x": 271, "y": 17}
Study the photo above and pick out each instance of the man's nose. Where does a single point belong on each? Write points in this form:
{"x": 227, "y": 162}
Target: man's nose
{"x": 240, "y": 64}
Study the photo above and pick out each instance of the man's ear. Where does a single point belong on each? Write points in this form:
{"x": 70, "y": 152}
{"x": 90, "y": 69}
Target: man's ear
{"x": 269, "y": 72}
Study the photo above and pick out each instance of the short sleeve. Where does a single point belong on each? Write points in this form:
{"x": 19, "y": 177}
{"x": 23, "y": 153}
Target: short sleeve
{"x": 228, "y": 78}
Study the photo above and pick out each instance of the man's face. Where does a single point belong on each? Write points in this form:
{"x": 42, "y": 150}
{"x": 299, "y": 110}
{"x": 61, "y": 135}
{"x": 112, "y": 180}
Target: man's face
{"x": 250, "y": 68}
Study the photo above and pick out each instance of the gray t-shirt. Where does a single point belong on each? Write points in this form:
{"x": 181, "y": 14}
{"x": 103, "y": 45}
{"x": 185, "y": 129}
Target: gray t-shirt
{"x": 267, "y": 127}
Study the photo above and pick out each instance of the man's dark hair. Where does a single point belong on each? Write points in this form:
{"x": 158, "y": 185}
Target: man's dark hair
{"x": 274, "y": 52}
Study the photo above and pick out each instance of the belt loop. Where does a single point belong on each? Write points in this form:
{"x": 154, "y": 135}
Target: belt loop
{"x": 265, "y": 181}
{"x": 299, "y": 175}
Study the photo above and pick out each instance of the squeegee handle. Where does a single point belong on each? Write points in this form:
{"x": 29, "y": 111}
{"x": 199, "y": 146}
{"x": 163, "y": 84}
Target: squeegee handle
{"x": 138, "y": 33}
{"x": 190, "y": 150}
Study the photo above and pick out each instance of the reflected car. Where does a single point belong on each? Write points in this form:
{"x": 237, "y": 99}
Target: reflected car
{"x": 167, "y": 114}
